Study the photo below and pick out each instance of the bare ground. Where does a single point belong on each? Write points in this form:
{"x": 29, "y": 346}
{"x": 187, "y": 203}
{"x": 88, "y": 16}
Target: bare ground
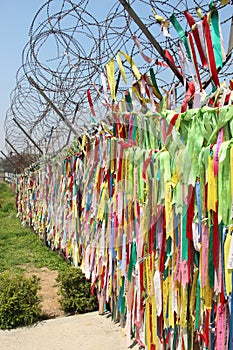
{"x": 87, "y": 331}
{"x": 49, "y": 291}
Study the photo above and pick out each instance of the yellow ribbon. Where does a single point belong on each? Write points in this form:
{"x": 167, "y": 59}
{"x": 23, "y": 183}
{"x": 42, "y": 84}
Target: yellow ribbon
{"x": 199, "y": 13}
{"x": 193, "y": 294}
{"x": 170, "y": 298}
{"x": 212, "y": 185}
{"x": 112, "y": 159}
{"x": 107, "y": 129}
{"x": 121, "y": 68}
{"x": 140, "y": 98}
{"x": 83, "y": 147}
{"x": 184, "y": 304}
{"x": 148, "y": 342}
{"x": 208, "y": 296}
{"x": 165, "y": 301}
{"x": 160, "y": 18}
{"x": 154, "y": 322}
{"x": 228, "y": 272}
{"x": 168, "y": 210}
{"x": 111, "y": 79}
{"x": 101, "y": 206}
{"x": 133, "y": 65}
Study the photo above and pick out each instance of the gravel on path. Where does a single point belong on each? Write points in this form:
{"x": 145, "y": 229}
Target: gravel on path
{"x": 89, "y": 331}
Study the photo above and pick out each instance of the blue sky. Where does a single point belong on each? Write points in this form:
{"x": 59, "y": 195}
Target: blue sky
{"x": 15, "y": 19}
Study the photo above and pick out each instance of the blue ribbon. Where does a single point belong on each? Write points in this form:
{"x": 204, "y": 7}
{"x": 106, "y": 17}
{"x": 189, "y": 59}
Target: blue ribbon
{"x": 231, "y": 319}
{"x": 224, "y": 234}
{"x": 198, "y": 198}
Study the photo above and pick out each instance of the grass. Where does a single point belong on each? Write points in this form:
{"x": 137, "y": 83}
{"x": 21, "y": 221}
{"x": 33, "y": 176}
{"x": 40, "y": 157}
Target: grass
{"x": 19, "y": 245}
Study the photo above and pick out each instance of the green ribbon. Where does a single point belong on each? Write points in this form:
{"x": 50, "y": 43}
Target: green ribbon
{"x": 151, "y": 132}
{"x": 187, "y": 167}
{"x": 208, "y": 121}
{"x": 134, "y": 133}
{"x": 225, "y": 116}
{"x": 133, "y": 260}
{"x": 140, "y": 131}
{"x": 224, "y": 184}
{"x": 146, "y": 135}
{"x": 174, "y": 346}
{"x": 184, "y": 238}
{"x": 197, "y": 304}
{"x": 121, "y": 296}
{"x": 212, "y": 5}
{"x": 216, "y": 38}
{"x": 130, "y": 175}
{"x": 139, "y": 160}
{"x": 76, "y": 147}
{"x": 129, "y": 101}
{"x": 181, "y": 33}
{"x": 114, "y": 129}
{"x": 201, "y": 163}
{"x": 153, "y": 79}
{"x": 165, "y": 171}
{"x": 194, "y": 144}
{"x": 168, "y": 253}
{"x": 177, "y": 198}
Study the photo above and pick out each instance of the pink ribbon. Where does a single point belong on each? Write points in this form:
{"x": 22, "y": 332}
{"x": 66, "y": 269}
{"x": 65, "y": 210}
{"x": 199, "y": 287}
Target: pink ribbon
{"x": 137, "y": 43}
{"x": 218, "y": 146}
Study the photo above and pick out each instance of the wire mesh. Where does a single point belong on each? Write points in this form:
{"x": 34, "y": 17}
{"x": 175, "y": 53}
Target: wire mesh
{"x": 70, "y": 43}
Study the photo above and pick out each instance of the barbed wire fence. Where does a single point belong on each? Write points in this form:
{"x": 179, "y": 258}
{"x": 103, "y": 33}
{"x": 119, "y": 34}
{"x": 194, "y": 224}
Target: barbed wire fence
{"x": 69, "y": 46}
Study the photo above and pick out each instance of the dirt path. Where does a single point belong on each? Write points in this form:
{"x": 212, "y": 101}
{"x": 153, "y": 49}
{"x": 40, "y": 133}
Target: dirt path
{"x": 88, "y": 331}
{"x": 49, "y": 291}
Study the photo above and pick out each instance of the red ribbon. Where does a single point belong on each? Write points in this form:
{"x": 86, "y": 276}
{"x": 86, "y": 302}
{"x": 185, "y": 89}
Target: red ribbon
{"x": 190, "y": 38}
{"x": 90, "y": 102}
{"x": 152, "y": 234}
{"x": 210, "y": 51}
{"x": 216, "y": 239}
{"x": 146, "y": 87}
{"x": 172, "y": 123}
{"x": 190, "y": 212}
{"x": 206, "y": 331}
{"x": 163, "y": 248}
{"x": 195, "y": 32}
{"x": 162, "y": 64}
{"x": 119, "y": 173}
{"x": 190, "y": 92}
{"x": 169, "y": 57}
{"x": 145, "y": 166}
{"x": 102, "y": 277}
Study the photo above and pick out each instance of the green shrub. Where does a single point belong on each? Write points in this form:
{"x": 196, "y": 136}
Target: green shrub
{"x": 75, "y": 291}
{"x": 8, "y": 208}
{"x": 19, "y": 300}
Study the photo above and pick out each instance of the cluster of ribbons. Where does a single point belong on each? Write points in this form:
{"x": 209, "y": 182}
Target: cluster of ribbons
{"x": 145, "y": 208}
{"x": 201, "y": 46}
